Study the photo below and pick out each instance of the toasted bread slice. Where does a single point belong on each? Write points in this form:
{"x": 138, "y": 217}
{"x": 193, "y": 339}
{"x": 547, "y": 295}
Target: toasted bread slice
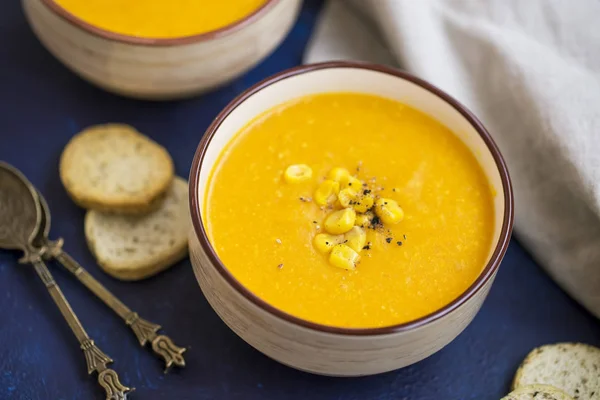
{"x": 132, "y": 247}
{"x": 115, "y": 168}
{"x": 573, "y": 368}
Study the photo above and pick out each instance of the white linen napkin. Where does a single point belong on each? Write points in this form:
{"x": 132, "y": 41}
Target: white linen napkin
{"x": 530, "y": 70}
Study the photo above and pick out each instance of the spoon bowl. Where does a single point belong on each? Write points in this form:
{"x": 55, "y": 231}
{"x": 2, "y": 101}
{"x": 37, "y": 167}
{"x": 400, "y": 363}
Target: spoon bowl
{"x": 20, "y": 212}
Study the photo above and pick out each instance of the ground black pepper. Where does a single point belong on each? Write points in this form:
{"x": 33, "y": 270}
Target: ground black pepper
{"x": 375, "y": 222}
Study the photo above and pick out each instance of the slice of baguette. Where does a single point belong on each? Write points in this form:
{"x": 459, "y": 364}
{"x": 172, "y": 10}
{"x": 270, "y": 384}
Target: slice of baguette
{"x": 572, "y": 367}
{"x": 133, "y": 247}
{"x": 115, "y": 168}
{"x": 537, "y": 392}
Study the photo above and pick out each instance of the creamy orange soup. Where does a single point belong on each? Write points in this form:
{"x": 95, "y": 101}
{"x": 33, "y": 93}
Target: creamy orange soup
{"x": 265, "y": 227}
{"x": 161, "y": 18}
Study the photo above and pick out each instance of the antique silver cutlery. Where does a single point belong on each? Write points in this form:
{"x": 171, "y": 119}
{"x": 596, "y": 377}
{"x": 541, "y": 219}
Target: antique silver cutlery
{"x": 20, "y": 218}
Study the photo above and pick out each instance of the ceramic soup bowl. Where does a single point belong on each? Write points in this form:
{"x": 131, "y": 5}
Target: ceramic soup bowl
{"x": 324, "y": 349}
{"x": 160, "y": 68}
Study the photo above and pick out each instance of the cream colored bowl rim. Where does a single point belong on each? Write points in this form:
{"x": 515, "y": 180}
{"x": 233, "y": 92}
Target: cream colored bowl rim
{"x": 486, "y": 275}
{"x": 143, "y": 41}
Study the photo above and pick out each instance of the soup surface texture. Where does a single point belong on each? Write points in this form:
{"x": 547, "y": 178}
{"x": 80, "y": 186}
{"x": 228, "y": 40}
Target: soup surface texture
{"x": 161, "y": 18}
{"x": 263, "y": 227}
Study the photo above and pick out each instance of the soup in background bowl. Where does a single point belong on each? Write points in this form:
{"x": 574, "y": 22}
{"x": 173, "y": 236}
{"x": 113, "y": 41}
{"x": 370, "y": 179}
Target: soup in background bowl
{"x": 340, "y": 285}
{"x": 159, "y": 18}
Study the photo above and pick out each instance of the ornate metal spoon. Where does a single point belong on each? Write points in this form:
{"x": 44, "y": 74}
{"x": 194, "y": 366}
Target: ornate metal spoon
{"x": 144, "y": 330}
{"x": 20, "y": 216}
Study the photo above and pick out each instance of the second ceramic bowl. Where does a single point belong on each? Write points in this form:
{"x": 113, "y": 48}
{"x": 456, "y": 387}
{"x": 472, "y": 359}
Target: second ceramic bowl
{"x": 160, "y": 68}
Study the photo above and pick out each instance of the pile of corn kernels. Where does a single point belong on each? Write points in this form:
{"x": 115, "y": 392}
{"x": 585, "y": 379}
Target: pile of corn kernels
{"x": 354, "y": 208}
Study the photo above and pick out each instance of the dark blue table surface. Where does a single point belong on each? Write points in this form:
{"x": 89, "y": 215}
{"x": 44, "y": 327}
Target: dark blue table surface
{"x": 42, "y": 105}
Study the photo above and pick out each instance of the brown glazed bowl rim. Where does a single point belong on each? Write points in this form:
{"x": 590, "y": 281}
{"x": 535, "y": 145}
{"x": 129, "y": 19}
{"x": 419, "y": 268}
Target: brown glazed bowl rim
{"x": 160, "y": 42}
{"x": 487, "y": 273}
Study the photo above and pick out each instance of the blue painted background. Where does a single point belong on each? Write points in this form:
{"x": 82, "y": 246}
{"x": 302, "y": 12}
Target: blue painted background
{"x": 42, "y": 105}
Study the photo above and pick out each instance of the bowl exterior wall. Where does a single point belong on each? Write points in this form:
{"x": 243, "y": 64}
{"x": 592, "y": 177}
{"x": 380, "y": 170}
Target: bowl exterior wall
{"x": 320, "y": 352}
{"x": 160, "y": 72}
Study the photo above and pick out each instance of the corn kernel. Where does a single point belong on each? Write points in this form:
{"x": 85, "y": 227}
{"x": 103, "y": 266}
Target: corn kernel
{"x": 389, "y": 211}
{"x": 346, "y": 196}
{"x": 327, "y": 192}
{"x": 344, "y": 257}
{"x": 341, "y": 221}
{"x": 355, "y": 238}
{"x": 351, "y": 182}
{"x": 363, "y": 203}
{"x": 364, "y": 220}
{"x": 297, "y": 173}
{"x": 324, "y": 242}
{"x": 338, "y": 174}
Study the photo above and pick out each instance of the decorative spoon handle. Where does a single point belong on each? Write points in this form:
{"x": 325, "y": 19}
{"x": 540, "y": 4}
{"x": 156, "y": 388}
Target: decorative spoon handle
{"x": 95, "y": 358}
{"x": 145, "y": 331}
